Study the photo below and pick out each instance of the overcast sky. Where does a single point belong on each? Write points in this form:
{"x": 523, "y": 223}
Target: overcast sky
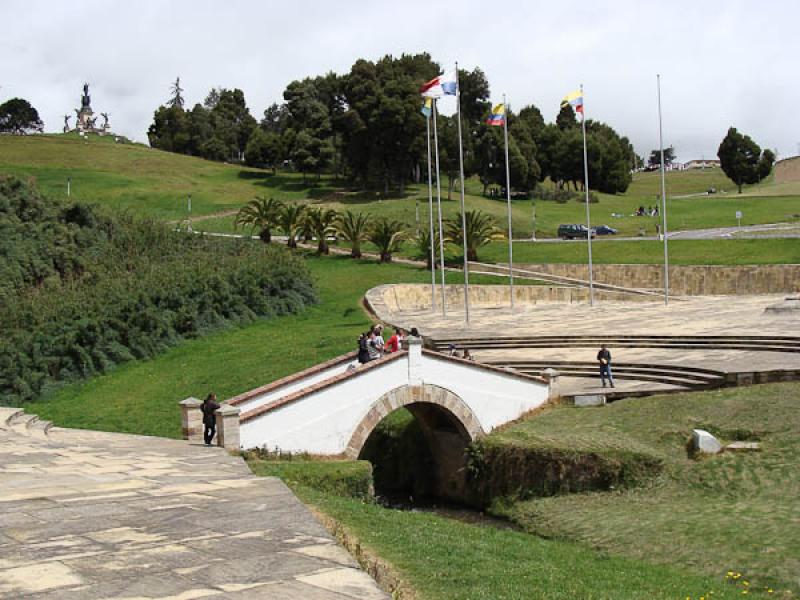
{"x": 722, "y": 63}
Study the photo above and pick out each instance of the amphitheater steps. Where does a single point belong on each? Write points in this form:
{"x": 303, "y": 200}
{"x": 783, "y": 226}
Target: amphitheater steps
{"x": 741, "y": 343}
{"x": 685, "y": 377}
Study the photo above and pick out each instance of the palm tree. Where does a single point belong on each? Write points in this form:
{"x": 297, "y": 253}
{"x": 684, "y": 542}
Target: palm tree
{"x": 387, "y": 236}
{"x": 423, "y": 243}
{"x": 291, "y": 219}
{"x": 353, "y": 228}
{"x": 480, "y": 231}
{"x": 261, "y": 214}
{"x": 320, "y": 222}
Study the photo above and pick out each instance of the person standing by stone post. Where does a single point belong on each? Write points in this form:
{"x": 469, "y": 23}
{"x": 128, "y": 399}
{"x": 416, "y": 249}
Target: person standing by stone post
{"x": 604, "y": 358}
{"x": 209, "y": 407}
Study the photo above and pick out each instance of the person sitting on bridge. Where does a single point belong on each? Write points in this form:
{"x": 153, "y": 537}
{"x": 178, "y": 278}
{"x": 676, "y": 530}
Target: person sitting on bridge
{"x": 209, "y": 407}
{"x": 380, "y": 343}
{"x": 604, "y": 358}
{"x": 467, "y": 355}
{"x": 363, "y": 348}
{"x": 396, "y": 341}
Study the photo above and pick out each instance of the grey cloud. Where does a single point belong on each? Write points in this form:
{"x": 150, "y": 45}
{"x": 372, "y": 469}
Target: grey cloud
{"x": 722, "y": 63}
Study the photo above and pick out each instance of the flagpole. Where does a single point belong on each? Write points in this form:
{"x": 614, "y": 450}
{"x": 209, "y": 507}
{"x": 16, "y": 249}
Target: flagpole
{"x": 439, "y": 208}
{"x": 663, "y": 195}
{"x": 463, "y": 213}
{"x": 586, "y": 189}
{"x": 508, "y": 201}
{"x": 431, "y": 239}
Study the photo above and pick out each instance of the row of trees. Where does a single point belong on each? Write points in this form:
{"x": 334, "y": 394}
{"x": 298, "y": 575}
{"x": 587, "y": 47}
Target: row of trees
{"x": 298, "y": 221}
{"x": 366, "y": 127}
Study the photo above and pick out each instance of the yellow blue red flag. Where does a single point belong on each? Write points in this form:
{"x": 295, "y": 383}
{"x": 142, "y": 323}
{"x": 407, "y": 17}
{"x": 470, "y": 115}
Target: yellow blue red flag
{"x": 575, "y": 99}
{"x": 498, "y": 116}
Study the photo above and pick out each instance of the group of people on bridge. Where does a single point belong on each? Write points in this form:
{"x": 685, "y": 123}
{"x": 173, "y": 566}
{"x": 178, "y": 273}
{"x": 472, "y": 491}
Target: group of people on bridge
{"x": 371, "y": 344}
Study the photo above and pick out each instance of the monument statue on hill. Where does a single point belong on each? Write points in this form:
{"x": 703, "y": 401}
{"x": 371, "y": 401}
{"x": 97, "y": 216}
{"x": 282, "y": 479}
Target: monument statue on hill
{"x": 85, "y": 121}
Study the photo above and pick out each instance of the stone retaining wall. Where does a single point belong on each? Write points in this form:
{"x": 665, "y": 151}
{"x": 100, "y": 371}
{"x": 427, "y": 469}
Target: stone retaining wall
{"x": 387, "y": 299}
{"x": 689, "y": 280}
{"x": 787, "y": 170}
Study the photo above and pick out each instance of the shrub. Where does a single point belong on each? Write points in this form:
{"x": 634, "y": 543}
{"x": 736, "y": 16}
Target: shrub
{"x": 88, "y": 291}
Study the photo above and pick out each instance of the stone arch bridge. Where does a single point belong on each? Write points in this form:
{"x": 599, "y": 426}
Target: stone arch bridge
{"x": 331, "y": 409}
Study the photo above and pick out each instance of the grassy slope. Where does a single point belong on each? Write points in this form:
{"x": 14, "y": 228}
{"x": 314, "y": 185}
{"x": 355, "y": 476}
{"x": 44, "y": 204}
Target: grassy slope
{"x": 142, "y": 397}
{"x": 730, "y": 512}
{"x": 443, "y": 559}
{"x": 156, "y": 183}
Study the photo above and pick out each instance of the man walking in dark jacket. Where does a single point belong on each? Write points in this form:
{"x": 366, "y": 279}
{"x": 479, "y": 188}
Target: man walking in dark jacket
{"x": 604, "y": 358}
{"x": 209, "y": 407}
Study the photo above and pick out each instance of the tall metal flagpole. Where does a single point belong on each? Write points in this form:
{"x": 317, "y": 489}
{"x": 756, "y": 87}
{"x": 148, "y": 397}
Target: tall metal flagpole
{"x": 508, "y": 200}
{"x": 663, "y": 195}
{"x": 431, "y": 239}
{"x": 463, "y": 213}
{"x": 439, "y": 208}
{"x": 586, "y": 188}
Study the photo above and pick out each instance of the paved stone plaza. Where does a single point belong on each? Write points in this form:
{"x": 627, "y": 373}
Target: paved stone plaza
{"x": 87, "y": 515}
{"x": 688, "y": 316}
{"x": 696, "y": 315}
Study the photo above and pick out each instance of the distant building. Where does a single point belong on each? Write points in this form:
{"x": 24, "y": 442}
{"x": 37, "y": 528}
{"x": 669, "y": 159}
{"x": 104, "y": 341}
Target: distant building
{"x": 703, "y": 163}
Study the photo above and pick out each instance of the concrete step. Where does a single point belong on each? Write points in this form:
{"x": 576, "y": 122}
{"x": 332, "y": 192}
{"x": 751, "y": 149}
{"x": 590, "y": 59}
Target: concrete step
{"x": 39, "y": 428}
{"x": 19, "y": 422}
{"x": 7, "y": 413}
{"x": 616, "y": 366}
{"x": 688, "y": 377}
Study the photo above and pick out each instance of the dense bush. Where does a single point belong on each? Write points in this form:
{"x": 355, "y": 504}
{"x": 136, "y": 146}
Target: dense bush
{"x": 563, "y": 195}
{"x": 81, "y": 291}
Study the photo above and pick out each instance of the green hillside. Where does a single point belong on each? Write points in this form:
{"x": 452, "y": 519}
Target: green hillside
{"x": 157, "y": 183}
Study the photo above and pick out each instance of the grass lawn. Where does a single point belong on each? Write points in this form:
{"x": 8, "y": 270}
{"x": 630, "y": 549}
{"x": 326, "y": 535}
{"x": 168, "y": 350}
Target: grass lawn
{"x": 681, "y": 252}
{"x": 444, "y": 559}
{"x": 141, "y": 397}
{"x": 156, "y": 183}
{"x": 736, "y": 512}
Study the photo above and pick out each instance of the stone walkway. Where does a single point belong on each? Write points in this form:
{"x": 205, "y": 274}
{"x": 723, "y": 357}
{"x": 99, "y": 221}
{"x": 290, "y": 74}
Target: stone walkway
{"x": 86, "y": 515}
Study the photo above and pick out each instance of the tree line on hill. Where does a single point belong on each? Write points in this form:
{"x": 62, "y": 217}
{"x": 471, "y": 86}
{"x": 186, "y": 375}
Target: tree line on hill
{"x": 366, "y": 128}
{"x": 82, "y": 291}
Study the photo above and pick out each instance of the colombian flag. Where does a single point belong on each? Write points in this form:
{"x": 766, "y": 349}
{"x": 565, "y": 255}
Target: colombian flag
{"x": 498, "y": 116}
{"x": 575, "y": 99}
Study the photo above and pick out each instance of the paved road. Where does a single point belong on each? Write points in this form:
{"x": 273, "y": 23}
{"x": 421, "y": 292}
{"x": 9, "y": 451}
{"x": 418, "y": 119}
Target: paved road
{"x": 86, "y": 515}
{"x": 769, "y": 230}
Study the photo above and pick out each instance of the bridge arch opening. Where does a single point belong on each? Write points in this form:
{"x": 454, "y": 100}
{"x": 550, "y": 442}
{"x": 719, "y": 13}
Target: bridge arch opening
{"x": 416, "y": 437}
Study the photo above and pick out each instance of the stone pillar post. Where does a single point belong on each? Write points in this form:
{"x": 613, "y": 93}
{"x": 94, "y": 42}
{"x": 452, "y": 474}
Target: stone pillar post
{"x": 552, "y": 377}
{"x": 414, "y": 360}
{"x": 191, "y": 419}
{"x": 228, "y": 427}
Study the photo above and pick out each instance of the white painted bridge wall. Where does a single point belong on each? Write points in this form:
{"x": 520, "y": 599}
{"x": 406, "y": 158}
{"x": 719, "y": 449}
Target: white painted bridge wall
{"x": 324, "y": 421}
{"x": 295, "y": 386}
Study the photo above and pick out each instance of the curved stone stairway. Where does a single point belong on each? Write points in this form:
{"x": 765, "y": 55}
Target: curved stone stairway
{"x": 87, "y": 514}
{"x": 672, "y": 375}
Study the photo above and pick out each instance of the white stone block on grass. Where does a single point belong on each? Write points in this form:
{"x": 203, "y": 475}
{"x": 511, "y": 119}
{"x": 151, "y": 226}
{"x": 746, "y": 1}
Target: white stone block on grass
{"x": 704, "y": 442}
{"x": 743, "y": 447}
{"x": 590, "y": 400}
